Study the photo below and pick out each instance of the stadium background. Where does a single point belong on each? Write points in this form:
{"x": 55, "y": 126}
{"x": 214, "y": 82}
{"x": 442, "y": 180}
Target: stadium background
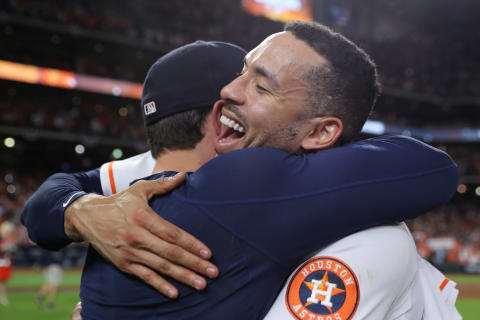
{"x": 70, "y": 79}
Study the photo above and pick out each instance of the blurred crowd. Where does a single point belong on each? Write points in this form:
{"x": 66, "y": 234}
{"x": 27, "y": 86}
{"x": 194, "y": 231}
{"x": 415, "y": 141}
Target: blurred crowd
{"x": 120, "y": 119}
{"x": 15, "y": 189}
{"x": 450, "y": 235}
{"x": 66, "y": 112}
{"x": 149, "y": 21}
{"x": 440, "y": 65}
{"x": 146, "y": 25}
{"x": 434, "y": 67}
{"x": 467, "y": 158}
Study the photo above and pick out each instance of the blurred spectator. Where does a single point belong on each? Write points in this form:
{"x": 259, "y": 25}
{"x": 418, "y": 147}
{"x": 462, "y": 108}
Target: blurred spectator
{"x": 7, "y": 248}
{"x": 11, "y": 203}
{"x": 53, "y": 275}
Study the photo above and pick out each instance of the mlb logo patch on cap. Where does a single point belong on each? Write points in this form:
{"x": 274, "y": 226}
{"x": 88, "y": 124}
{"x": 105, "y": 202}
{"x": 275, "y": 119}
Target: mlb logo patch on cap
{"x": 149, "y": 108}
{"x": 189, "y": 77}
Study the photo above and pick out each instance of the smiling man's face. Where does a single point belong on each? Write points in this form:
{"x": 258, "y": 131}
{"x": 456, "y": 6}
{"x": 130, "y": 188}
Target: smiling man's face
{"x": 267, "y": 104}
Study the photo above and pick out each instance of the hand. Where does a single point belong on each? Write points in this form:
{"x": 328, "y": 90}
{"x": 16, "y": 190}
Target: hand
{"x": 76, "y": 311}
{"x": 127, "y": 232}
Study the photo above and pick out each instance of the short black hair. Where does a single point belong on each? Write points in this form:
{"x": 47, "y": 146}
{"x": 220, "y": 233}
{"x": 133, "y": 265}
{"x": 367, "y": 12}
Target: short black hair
{"x": 180, "y": 131}
{"x": 347, "y": 87}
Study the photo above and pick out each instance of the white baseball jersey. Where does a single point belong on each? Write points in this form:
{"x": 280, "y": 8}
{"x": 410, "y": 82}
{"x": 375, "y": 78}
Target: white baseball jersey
{"x": 372, "y": 274}
{"x": 116, "y": 176}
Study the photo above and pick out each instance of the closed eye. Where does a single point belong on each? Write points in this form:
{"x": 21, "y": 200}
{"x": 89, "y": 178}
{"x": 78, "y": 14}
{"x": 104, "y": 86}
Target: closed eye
{"x": 260, "y": 88}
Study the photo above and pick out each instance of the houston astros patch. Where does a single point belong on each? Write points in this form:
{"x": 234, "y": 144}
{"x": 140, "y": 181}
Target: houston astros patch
{"x": 323, "y": 288}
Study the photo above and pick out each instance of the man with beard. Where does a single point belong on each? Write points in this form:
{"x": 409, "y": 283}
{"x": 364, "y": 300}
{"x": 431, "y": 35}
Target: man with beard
{"x": 300, "y": 100}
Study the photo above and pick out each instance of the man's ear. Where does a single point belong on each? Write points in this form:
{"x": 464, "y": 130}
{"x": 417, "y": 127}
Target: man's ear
{"x": 323, "y": 134}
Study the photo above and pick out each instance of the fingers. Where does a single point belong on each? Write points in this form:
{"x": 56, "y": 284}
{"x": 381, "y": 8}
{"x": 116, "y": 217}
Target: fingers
{"x": 167, "y": 268}
{"x": 153, "y": 279}
{"x": 147, "y": 245}
{"x": 178, "y": 256}
{"x": 173, "y": 234}
{"x": 159, "y": 186}
{"x": 162, "y": 228}
{"x": 76, "y": 311}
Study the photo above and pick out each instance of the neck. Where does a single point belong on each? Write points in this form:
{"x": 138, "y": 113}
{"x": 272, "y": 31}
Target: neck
{"x": 184, "y": 160}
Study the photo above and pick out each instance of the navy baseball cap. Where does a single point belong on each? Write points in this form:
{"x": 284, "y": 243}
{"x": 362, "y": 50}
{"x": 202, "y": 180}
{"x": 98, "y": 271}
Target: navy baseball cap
{"x": 189, "y": 77}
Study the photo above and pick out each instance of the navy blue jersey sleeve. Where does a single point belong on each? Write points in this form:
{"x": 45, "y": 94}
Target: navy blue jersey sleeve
{"x": 43, "y": 213}
{"x": 289, "y": 206}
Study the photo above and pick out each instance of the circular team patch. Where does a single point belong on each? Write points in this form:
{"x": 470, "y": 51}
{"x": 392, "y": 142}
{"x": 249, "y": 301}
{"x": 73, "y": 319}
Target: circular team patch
{"x": 323, "y": 288}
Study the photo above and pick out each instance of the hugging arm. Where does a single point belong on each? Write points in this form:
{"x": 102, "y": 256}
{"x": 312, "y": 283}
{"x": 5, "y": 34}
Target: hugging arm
{"x": 43, "y": 213}
{"x": 318, "y": 198}
{"x": 122, "y": 227}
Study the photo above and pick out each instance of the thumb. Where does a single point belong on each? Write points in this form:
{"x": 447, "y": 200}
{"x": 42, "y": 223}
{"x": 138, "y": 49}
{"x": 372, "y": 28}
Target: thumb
{"x": 164, "y": 185}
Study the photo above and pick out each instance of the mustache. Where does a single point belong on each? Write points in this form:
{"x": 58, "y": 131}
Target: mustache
{"x": 236, "y": 111}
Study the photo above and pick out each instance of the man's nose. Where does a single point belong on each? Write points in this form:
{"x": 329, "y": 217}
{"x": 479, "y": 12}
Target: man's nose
{"x": 234, "y": 92}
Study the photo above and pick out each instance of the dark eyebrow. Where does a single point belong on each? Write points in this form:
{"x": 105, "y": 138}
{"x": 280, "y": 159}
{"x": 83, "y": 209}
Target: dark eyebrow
{"x": 264, "y": 73}
{"x": 267, "y": 75}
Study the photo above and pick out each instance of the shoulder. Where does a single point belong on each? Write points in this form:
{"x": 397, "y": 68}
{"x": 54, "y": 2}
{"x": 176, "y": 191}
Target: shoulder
{"x": 377, "y": 254}
{"x": 379, "y": 239}
{"x": 116, "y": 176}
{"x": 362, "y": 274}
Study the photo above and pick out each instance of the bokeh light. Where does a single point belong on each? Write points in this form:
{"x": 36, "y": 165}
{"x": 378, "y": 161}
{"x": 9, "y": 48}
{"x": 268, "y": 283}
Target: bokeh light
{"x": 117, "y": 153}
{"x": 9, "y": 142}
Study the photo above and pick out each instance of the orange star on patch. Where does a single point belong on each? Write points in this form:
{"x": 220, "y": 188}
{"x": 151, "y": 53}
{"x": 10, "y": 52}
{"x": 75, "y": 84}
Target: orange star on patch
{"x": 320, "y": 287}
{"x": 323, "y": 286}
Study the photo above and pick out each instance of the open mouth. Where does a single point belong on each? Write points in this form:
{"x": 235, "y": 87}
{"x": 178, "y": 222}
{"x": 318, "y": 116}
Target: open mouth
{"x": 229, "y": 130}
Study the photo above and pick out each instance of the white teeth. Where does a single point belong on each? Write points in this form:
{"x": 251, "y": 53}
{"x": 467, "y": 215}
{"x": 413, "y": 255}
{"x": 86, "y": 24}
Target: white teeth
{"x": 231, "y": 123}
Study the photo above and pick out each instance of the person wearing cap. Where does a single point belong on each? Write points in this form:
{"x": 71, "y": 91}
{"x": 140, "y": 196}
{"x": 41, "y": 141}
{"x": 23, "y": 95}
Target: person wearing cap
{"x": 179, "y": 92}
{"x": 258, "y": 232}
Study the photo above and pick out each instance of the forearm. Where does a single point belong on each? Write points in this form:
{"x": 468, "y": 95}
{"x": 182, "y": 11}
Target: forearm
{"x": 121, "y": 227}
{"x": 73, "y": 226}
{"x": 399, "y": 164}
{"x": 319, "y": 198}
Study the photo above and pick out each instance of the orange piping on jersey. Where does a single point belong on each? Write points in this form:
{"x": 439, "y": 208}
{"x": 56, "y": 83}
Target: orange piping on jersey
{"x": 112, "y": 179}
{"x": 444, "y": 283}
